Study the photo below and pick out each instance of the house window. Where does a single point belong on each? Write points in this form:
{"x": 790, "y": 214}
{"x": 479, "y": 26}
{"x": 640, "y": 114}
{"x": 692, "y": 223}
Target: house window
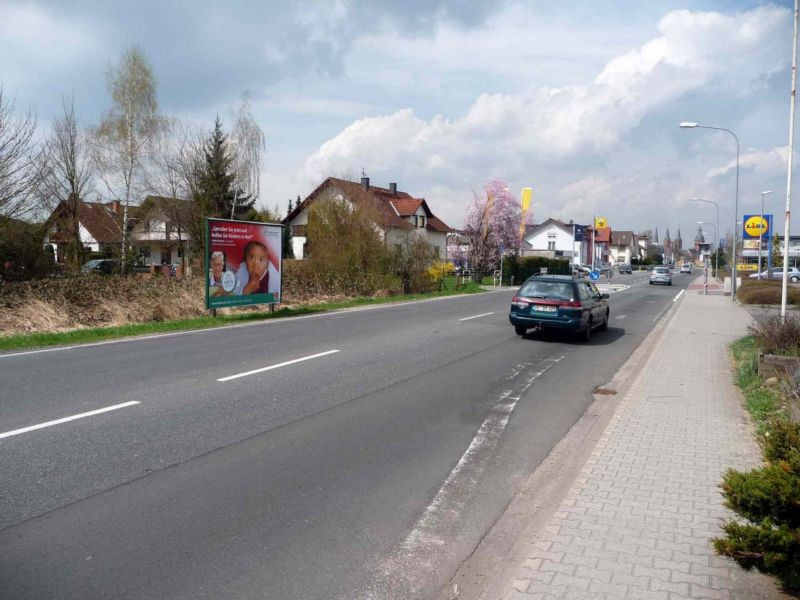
{"x": 551, "y": 245}
{"x": 166, "y": 255}
{"x": 421, "y": 221}
{"x": 146, "y": 226}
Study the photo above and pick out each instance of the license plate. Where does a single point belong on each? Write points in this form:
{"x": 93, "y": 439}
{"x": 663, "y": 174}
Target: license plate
{"x": 544, "y": 308}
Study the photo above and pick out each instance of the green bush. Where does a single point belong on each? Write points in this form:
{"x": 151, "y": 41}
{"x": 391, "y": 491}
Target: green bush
{"x": 522, "y": 268}
{"x": 767, "y": 498}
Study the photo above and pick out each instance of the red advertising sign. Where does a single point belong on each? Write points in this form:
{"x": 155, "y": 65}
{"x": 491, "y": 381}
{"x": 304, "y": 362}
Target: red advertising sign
{"x": 243, "y": 263}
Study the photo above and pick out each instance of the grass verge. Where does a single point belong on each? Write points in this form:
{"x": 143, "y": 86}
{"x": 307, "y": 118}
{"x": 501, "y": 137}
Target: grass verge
{"x": 98, "y": 334}
{"x": 762, "y": 402}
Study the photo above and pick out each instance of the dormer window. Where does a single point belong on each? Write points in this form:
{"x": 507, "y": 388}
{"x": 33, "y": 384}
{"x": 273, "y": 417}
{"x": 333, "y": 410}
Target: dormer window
{"x": 420, "y": 220}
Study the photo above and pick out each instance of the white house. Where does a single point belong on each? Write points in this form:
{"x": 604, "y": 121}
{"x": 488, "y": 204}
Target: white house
{"x": 99, "y": 226}
{"x": 552, "y": 239}
{"x": 158, "y": 230}
{"x": 399, "y": 212}
{"x": 623, "y": 246}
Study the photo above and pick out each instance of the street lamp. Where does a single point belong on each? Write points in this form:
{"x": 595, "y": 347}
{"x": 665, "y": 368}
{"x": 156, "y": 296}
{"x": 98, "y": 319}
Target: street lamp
{"x": 716, "y": 255}
{"x": 761, "y": 231}
{"x": 692, "y": 125}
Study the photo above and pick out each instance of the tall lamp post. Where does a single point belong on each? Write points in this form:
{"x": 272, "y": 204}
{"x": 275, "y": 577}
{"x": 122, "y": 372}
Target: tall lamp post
{"x": 761, "y": 231}
{"x": 691, "y": 125}
{"x": 716, "y": 254}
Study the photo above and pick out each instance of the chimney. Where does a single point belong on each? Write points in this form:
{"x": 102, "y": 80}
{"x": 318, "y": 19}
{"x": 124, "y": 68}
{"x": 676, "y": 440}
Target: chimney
{"x": 393, "y": 189}
{"x": 115, "y": 206}
{"x": 365, "y": 182}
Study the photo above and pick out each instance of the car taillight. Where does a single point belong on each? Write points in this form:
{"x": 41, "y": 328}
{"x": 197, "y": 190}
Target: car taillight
{"x": 570, "y": 303}
{"x": 519, "y": 302}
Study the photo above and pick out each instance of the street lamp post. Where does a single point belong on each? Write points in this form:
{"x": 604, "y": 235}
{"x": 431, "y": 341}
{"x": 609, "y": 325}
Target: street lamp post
{"x": 716, "y": 254}
{"x": 691, "y": 125}
{"x": 761, "y": 231}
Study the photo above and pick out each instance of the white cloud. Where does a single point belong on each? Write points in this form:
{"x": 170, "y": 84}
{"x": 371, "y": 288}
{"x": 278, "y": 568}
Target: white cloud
{"x": 764, "y": 162}
{"x": 544, "y": 132}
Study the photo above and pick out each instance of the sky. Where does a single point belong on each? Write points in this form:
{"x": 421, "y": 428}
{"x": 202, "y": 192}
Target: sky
{"x": 582, "y": 104}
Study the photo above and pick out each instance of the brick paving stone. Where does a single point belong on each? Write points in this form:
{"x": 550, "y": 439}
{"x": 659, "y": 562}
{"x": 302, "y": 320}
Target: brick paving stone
{"x": 639, "y": 519}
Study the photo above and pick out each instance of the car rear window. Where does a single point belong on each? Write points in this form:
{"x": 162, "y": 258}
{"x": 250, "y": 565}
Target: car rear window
{"x": 555, "y": 290}
{"x": 662, "y": 270}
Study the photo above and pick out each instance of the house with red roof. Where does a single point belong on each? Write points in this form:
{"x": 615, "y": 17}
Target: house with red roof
{"x": 99, "y": 226}
{"x": 398, "y": 214}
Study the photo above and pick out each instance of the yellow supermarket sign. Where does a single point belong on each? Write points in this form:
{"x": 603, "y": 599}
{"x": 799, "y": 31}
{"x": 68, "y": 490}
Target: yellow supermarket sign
{"x": 756, "y": 225}
{"x": 745, "y": 267}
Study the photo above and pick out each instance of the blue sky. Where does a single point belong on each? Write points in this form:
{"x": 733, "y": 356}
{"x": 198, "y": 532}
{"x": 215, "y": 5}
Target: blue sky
{"x": 579, "y": 103}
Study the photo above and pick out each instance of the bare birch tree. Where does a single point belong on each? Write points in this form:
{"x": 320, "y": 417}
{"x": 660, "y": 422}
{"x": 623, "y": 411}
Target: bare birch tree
{"x": 247, "y": 143}
{"x": 126, "y": 131}
{"x": 17, "y": 158}
{"x": 66, "y": 176}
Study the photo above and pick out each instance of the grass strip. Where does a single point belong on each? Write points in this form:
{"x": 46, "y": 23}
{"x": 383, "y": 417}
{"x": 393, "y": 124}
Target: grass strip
{"x": 763, "y": 403}
{"x": 99, "y": 334}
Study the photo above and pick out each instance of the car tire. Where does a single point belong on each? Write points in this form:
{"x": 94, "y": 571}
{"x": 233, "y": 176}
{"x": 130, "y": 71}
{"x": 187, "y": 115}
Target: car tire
{"x": 520, "y": 330}
{"x": 795, "y": 279}
{"x": 586, "y": 334}
{"x": 604, "y": 326}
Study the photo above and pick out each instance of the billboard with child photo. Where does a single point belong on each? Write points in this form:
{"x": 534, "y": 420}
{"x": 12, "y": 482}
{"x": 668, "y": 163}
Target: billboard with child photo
{"x": 243, "y": 263}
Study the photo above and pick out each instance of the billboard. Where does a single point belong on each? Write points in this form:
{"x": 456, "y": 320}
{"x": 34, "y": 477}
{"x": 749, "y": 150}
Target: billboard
{"x": 243, "y": 263}
{"x": 754, "y": 226}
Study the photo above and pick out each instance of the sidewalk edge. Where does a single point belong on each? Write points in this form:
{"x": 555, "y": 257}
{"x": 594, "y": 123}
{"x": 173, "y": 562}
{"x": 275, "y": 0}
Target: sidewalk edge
{"x": 492, "y": 566}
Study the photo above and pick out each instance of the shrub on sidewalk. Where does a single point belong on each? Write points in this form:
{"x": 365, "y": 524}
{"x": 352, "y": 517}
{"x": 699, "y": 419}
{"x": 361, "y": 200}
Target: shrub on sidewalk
{"x": 769, "y": 499}
{"x": 753, "y": 291}
{"x": 776, "y": 336}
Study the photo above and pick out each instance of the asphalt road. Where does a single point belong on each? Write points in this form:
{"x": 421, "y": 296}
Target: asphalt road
{"x": 371, "y": 468}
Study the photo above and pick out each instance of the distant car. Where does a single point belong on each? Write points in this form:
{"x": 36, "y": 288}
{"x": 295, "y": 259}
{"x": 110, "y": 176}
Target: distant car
{"x": 661, "y": 275}
{"x": 625, "y": 268}
{"x": 101, "y": 266}
{"x": 777, "y": 273}
{"x": 559, "y": 302}
{"x": 580, "y": 269}
{"x": 686, "y": 268}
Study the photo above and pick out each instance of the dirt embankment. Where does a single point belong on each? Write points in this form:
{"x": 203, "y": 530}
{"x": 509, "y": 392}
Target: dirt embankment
{"x": 73, "y": 303}
{"x": 64, "y": 304}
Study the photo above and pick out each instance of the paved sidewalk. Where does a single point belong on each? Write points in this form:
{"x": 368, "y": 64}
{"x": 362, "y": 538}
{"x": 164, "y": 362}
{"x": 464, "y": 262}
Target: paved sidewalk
{"x": 638, "y": 521}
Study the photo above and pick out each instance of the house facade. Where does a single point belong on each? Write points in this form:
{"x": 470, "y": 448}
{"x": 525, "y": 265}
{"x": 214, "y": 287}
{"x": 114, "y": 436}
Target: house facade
{"x": 553, "y": 239}
{"x": 99, "y": 225}
{"x": 623, "y": 247}
{"x": 400, "y": 214}
{"x": 157, "y": 230}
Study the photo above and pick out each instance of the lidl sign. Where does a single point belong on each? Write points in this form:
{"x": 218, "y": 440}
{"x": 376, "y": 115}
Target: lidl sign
{"x": 756, "y": 226}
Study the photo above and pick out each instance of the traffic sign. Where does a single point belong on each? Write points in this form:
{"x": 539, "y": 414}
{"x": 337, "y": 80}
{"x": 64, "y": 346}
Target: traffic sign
{"x": 594, "y": 275}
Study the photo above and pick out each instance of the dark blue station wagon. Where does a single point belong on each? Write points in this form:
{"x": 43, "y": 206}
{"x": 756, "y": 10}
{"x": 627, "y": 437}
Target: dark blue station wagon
{"x": 559, "y": 302}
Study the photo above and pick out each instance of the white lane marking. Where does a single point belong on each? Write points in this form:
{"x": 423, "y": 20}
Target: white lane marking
{"x": 273, "y": 321}
{"x": 619, "y": 317}
{"x": 476, "y": 316}
{"x": 91, "y": 413}
{"x": 283, "y": 364}
{"x": 425, "y": 541}
{"x": 675, "y": 299}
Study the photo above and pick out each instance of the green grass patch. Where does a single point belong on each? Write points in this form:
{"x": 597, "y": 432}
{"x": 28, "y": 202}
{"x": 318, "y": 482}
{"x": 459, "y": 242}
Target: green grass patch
{"x": 99, "y": 334}
{"x": 762, "y": 402}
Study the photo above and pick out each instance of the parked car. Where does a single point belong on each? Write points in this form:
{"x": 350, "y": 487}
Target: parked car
{"x": 777, "y": 273}
{"x": 581, "y": 270}
{"x": 101, "y": 266}
{"x": 625, "y": 268}
{"x": 559, "y": 302}
{"x": 661, "y": 275}
{"x": 686, "y": 268}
